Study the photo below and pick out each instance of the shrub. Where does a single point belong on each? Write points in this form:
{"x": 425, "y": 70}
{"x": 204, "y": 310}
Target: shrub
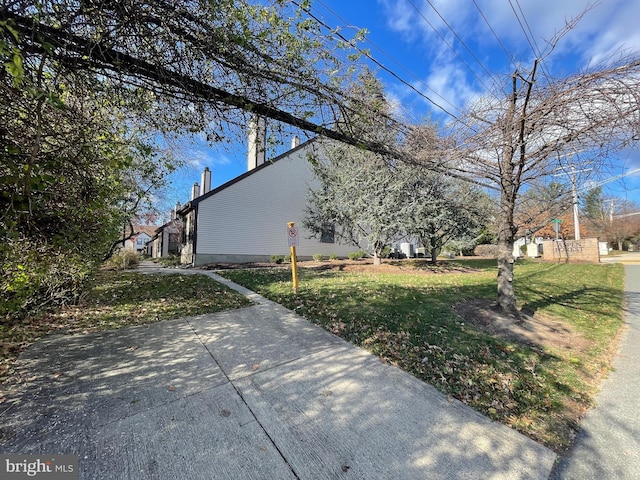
{"x": 333, "y": 256}
{"x": 318, "y": 257}
{"x": 488, "y": 251}
{"x": 35, "y": 277}
{"x": 275, "y": 259}
{"x": 123, "y": 260}
{"x": 357, "y": 255}
{"x": 287, "y": 258}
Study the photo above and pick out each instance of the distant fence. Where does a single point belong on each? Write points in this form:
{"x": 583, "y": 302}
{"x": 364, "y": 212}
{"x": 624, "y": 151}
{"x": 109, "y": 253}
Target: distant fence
{"x": 585, "y": 250}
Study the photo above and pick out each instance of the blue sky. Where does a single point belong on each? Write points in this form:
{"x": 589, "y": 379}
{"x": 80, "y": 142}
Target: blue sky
{"x": 451, "y": 51}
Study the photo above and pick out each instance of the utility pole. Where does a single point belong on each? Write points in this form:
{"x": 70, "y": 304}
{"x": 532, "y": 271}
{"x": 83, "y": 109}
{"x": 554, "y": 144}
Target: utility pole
{"x": 612, "y": 202}
{"x": 574, "y": 193}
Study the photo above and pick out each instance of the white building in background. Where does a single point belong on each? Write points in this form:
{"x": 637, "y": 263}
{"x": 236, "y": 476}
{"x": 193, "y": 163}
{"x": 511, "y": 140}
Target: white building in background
{"x": 141, "y": 236}
{"x": 245, "y": 219}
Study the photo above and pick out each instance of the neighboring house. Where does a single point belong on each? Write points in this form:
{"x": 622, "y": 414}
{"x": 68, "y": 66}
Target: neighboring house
{"x": 142, "y": 235}
{"x": 166, "y": 240}
{"x": 245, "y": 219}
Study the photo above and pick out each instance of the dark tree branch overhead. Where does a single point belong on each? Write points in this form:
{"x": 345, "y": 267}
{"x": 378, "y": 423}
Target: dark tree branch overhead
{"x": 98, "y": 56}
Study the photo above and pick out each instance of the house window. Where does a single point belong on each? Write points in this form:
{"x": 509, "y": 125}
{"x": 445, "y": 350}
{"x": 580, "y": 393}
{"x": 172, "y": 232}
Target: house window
{"x": 139, "y": 241}
{"x": 327, "y": 234}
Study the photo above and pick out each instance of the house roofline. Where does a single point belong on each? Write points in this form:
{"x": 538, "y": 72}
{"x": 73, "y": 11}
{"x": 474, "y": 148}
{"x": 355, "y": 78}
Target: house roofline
{"x": 191, "y": 205}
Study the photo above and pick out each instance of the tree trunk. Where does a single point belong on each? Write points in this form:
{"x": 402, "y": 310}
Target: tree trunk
{"x": 506, "y": 239}
{"x": 434, "y": 251}
{"x": 378, "y": 247}
{"x": 506, "y": 292}
{"x": 512, "y": 156}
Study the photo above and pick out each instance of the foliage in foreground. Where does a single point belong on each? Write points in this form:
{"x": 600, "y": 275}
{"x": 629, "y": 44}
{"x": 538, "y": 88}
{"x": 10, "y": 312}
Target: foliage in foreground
{"x": 36, "y": 276}
{"x": 71, "y": 172}
{"x": 407, "y": 320}
{"x": 121, "y": 299}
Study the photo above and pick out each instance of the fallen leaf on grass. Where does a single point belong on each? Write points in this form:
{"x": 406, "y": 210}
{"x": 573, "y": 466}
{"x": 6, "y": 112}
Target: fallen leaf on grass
{"x": 255, "y": 366}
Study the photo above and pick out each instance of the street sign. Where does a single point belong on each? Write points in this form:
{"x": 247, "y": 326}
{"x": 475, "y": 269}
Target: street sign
{"x": 292, "y": 236}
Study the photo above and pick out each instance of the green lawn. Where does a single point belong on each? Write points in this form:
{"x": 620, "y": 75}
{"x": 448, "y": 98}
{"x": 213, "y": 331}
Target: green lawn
{"x": 407, "y": 320}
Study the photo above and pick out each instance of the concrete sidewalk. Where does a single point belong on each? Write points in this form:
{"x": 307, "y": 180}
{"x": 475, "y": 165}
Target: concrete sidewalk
{"x": 254, "y": 393}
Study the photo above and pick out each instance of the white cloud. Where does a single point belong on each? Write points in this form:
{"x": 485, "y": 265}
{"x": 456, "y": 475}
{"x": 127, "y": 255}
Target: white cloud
{"x": 448, "y": 80}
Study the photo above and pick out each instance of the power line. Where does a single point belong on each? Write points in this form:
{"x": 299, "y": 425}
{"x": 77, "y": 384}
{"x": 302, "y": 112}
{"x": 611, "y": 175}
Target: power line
{"x": 529, "y": 36}
{"x": 523, "y": 29}
{"x": 392, "y": 59}
{"x": 375, "y": 61}
{"x": 537, "y": 51}
{"x": 459, "y": 38}
{"x": 504, "y": 49}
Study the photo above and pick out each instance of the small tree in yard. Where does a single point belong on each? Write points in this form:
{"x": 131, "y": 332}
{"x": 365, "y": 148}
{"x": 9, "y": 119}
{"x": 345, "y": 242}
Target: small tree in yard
{"x": 361, "y": 193}
{"x": 379, "y": 200}
{"x": 441, "y": 209}
{"x": 610, "y": 218}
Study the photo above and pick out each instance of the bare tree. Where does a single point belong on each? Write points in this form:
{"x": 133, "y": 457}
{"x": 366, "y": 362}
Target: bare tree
{"x": 511, "y": 141}
{"x": 533, "y": 127}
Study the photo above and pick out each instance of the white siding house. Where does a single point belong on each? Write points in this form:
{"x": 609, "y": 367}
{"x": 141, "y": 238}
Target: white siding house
{"x": 245, "y": 219}
{"x": 138, "y": 242}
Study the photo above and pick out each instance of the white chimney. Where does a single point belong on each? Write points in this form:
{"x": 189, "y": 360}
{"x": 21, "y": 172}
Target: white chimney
{"x": 205, "y": 181}
{"x": 195, "y": 191}
{"x": 257, "y": 142}
{"x": 174, "y": 213}
{"x": 295, "y": 141}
